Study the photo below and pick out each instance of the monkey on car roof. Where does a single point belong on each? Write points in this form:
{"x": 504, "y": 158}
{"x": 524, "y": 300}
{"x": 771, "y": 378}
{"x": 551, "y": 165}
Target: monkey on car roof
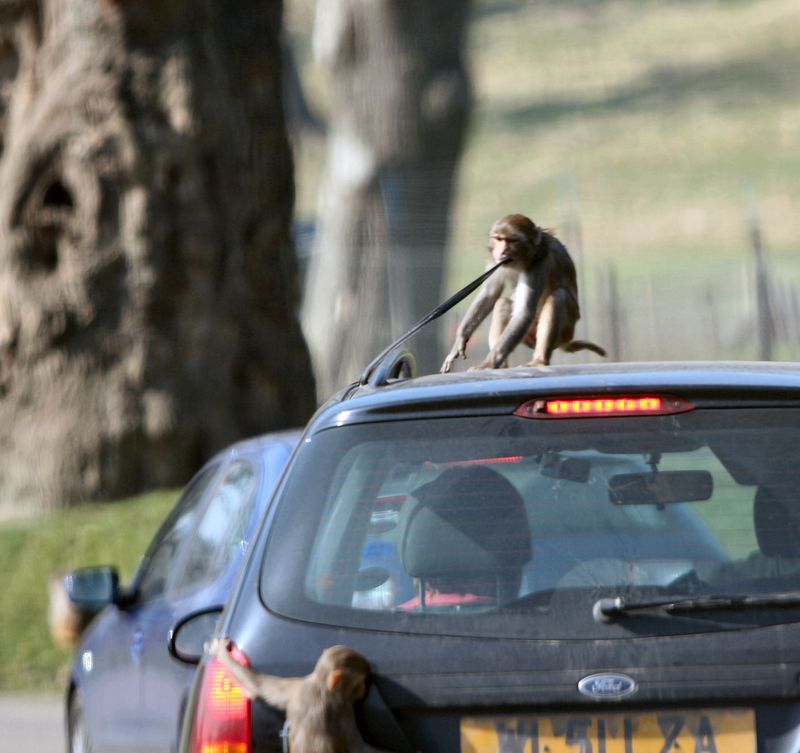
{"x": 543, "y": 308}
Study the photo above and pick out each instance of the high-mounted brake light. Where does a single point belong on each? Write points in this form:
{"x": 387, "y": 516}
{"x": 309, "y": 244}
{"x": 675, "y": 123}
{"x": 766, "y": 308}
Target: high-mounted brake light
{"x": 603, "y": 406}
{"x": 222, "y": 717}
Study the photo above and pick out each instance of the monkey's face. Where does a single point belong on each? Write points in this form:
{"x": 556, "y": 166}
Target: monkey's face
{"x": 513, "y": 246}
{"x": 503, "y": 247}
{"x": 514, "y": 237}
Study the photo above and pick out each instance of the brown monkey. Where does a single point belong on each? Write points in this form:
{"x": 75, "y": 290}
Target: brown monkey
{"x": 319, "y": 706}
{"x": 543, "y": 309}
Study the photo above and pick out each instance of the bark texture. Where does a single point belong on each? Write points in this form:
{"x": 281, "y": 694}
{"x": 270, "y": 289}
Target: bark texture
{"x": 148, "y": 284}
{"x": 400, "y": 104}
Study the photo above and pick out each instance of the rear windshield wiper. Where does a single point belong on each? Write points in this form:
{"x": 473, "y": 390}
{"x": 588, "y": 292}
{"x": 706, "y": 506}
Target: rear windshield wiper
{"x": 606, "y": 610}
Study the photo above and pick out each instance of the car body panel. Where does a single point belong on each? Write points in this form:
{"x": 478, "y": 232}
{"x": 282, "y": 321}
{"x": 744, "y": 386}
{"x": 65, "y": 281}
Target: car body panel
{"x": 108, "y": 654}
{"x": 492, "y": 391}
{"x": 720, "y": 661}
{"x": 132, "y": 691}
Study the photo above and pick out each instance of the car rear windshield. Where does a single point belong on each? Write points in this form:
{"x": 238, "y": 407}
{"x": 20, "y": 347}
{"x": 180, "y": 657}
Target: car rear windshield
{"x": 508, "y": 526}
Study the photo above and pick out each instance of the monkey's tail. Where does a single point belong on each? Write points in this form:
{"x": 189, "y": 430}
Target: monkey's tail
{"x": 576, "y": 345}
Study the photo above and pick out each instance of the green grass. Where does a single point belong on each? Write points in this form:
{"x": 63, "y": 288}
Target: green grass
{"x": 655, "y": 124}
{"x": 113, "y": 533}
{"x": 650, "y": 120}
{"x": 659, "y": 125}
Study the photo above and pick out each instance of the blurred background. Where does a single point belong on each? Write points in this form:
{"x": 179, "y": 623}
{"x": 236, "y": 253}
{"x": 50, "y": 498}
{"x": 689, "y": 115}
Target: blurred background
{"x": 213, "y": 215}
{"x": 658, "y": 139}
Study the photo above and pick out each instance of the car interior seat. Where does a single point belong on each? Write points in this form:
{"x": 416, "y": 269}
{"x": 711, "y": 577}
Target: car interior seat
{"x": 466, "y": 531}
{"x": 777, "y": 526}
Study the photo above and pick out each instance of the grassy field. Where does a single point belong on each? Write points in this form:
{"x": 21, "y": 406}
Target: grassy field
{"x": 114, "y": 533}
{"x": 648, "y": 119}
{"x": 646, "y": 133}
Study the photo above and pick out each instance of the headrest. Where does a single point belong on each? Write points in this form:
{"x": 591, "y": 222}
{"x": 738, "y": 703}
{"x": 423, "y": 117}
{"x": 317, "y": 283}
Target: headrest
{"x": 466, "y": 520}
{"x": 776, "y": 524}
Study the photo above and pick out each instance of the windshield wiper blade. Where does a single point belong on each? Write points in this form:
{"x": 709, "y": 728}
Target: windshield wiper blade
{"x": 606, "y": 610}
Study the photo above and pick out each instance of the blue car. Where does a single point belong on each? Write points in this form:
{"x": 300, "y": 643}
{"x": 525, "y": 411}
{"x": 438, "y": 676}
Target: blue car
{"x": 571, "y": 558}
{"x": 126, "y": 693}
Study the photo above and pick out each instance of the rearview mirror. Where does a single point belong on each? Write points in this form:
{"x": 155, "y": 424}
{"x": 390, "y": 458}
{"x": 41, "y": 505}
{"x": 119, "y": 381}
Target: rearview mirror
{"x": 660, "y": 487}
{"x": 189, "y": 636}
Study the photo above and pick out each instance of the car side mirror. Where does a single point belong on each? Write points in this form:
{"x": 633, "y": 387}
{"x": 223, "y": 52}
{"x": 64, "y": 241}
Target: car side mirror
{"x": 92, "y": 588}
{"x": 189, "y": 636}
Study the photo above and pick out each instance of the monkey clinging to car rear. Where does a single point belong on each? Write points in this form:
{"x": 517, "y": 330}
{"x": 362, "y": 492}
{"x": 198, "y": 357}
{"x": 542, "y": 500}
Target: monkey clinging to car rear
{"x": 543, "y": 308}
{"x": 319, "y": 706}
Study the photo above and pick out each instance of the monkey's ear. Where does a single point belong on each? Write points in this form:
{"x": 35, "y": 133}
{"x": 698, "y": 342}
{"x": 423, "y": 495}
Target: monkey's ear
{"x": 537, "y": 234}
{"x": 335, "y": 679}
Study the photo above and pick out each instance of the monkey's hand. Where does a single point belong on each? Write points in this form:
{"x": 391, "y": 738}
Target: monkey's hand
{"x": 218, "y": 647}
{"x": 459, "y": 350}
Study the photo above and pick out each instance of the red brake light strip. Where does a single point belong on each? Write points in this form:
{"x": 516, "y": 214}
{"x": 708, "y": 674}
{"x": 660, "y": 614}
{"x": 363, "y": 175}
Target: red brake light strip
{"x": 603, "y": 406}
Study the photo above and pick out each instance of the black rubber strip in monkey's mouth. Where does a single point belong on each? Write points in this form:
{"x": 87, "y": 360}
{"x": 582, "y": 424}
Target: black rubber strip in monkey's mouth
{"x": 442, "y": 308}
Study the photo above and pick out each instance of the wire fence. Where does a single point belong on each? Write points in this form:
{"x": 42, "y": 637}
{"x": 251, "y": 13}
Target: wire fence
{"x": 745, "y": 308}
{"x": 751, "y": 312}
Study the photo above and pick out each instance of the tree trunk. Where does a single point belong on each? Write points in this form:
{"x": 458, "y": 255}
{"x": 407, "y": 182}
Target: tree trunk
{"x": 400, "y": 105}
{"x": 148, "y": 284}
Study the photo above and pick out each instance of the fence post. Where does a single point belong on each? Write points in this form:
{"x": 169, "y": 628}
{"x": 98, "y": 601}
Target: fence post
{"x": 713, "y": 320}
{"x": 764, "y": 323}
{"x": 614, "y": 315}
{"x": 572, "y": 231}
{"x": 794, "y": 315}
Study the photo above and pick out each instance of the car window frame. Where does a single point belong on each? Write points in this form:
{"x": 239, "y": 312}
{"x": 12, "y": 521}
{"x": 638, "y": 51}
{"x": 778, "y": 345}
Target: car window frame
{"x": 195, "y": 492}
{"x": 175, "y": 586}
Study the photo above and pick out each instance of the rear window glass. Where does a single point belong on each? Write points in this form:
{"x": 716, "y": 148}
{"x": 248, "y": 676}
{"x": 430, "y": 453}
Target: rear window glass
{"x": 512, "y": 526}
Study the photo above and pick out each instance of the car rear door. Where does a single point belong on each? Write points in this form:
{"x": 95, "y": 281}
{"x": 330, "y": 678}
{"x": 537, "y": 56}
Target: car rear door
{"x": 200, "y": 578}
{"x": 117, "y": 687}
{"x": 109, "y": 688}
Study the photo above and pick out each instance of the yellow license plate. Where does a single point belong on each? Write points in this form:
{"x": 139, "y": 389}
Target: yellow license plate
{"x": 674, "y": 731}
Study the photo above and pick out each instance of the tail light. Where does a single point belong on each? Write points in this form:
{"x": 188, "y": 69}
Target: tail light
{"x": 604, "y": 405}
{"x": 222, "y": 716}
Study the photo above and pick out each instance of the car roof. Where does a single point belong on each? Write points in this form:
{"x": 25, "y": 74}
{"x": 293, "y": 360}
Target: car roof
{"x": 496, "y": 391}
{"x": 285, "y": 439}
